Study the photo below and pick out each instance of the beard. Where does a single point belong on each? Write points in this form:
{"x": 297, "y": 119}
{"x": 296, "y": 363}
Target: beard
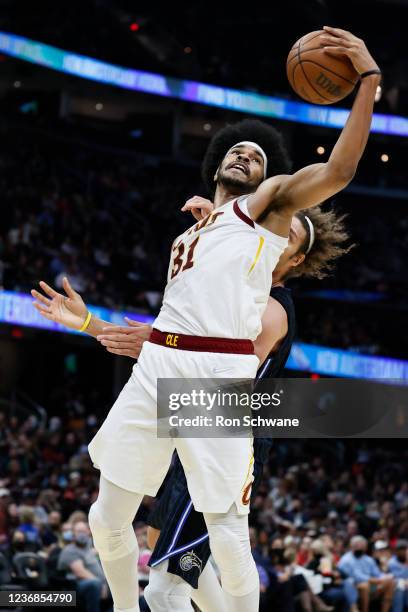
{"x": 236, "y": 183}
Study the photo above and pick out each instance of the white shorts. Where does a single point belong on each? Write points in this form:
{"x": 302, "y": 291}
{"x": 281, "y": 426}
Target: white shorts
{"x": 128, "y": 452}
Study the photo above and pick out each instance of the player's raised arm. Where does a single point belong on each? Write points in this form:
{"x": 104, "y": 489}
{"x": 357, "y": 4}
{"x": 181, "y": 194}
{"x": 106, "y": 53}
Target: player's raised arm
{"x": 313, "y": 184}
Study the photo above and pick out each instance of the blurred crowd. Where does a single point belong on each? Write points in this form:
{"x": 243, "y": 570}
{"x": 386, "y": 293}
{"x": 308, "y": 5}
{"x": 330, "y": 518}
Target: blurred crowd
{"x": 329, "y": 525}
{"x": 47, "y": 484}
{"x": 107, "y": 220}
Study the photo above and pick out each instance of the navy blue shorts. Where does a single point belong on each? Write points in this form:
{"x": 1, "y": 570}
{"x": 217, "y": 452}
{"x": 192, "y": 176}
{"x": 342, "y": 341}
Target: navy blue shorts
{"x": 183, "y": 536}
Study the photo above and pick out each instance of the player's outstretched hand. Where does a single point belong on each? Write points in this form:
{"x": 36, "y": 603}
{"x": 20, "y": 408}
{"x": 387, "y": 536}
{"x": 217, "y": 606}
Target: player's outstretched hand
{"x": 69, "y": 310}
{"x": 199, "y": 207}
{"x": 339, "y": 42}
{"x": 122, "y": 340}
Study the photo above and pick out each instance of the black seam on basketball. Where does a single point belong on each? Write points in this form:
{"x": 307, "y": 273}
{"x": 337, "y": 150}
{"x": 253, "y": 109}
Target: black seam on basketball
{"x": 294, "y": 54}
{"x": 305, "y": 51}
{"x": 313, "y": 87}
{"x": 320, "y": 32}
{"x": 293, "y": 71}
{"x": 306, "y": 96}
{"x": 295, "y": 86}
{"x": 293, "y": 57}
{"x": 306, "y": 77}
{"x": 328, "y": 70}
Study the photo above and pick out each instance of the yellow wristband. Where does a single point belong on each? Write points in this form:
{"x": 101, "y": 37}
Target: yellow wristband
{"x": 86, "y": 322}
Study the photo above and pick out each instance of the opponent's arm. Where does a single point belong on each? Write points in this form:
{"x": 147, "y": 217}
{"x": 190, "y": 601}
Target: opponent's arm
{"x": 274, "y": 329}
{"x": 312, "y": 185}
{"x": 198, "y": 206}
{"x": 69, "y": 310}
{"x": 126, "y": 341}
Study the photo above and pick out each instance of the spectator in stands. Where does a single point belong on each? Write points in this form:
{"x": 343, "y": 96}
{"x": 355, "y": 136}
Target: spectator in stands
{"x": 29, "y": 528}
{"x": 66, "y": 533}
{"x": 382, "y": 554}
{"x": 303, "y": 586}
{"x": 145, "y": 552}
{"x": 18, "y": 544}
{"x": 79, "y": 559}
{"x": 366, "y": 575}
{"x": 279, "y": 594}
{"x": 398, "y": 567}
{"x": 335, "y": 590}
{"x": 4, "y": 504}
{"x": 51, "y": 532}
{"x": 305, "y": 555}
{"x": 368, "y": 471}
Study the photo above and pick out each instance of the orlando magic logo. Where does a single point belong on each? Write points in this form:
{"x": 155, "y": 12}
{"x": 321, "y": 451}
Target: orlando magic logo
{"x": 190, "y": 560}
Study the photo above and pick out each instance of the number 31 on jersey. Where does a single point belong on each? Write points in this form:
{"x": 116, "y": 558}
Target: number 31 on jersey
{"x": 183, "y": 260}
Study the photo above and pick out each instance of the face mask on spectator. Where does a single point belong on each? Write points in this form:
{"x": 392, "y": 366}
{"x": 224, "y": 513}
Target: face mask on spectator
{"x": 358, "y": 553}
{"x": 81, "y": 539}
{"x": 67, "y": 536}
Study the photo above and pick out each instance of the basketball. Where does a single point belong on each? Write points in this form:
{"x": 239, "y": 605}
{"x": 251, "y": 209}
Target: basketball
{"x": 316, "y": 76}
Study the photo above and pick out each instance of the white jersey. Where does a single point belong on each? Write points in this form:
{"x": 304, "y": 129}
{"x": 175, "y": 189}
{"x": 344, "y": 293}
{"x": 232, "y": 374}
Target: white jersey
{"x": 220, "y": 275}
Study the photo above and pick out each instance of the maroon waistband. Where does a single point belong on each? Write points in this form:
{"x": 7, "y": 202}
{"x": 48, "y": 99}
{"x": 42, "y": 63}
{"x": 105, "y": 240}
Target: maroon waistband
{"x": 202, "y": 343}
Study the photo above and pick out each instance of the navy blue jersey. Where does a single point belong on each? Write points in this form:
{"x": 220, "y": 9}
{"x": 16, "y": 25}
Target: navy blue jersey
{"x": 273, "y": 367}
{"x": 183, "y": 536}
{"x": 274, "y": 364}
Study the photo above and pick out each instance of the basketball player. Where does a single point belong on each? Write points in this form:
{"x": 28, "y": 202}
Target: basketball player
{"x": 218, "y": 287}
{"x": 179, "y": 565}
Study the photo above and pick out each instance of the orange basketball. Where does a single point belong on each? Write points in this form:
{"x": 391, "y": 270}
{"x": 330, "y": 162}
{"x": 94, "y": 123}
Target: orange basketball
{"x": 316, "y": 76}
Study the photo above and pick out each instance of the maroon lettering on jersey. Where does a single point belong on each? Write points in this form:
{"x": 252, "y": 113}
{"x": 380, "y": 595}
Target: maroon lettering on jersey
{"x": 208, "y": 220}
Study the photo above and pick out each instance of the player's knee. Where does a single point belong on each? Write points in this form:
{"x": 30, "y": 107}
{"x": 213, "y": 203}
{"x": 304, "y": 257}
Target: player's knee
{"x": 170, "y": 599}
{"x": 228, "y": 544}
{"x": 110, "y": 542}
{"x": 232, "y": 553}
{"x": 152, "y": 597}
{"x": 156, "y": 598}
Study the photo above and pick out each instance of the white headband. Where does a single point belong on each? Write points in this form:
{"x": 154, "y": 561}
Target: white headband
{"x": 255, "y": 146}
{"x": 312, "y": 234}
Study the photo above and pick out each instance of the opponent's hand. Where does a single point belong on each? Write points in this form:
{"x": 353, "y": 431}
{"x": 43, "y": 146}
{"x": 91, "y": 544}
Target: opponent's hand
{"x": 122, "y": 340}
{"x": 338, "y": 42}
{"x": 199, "y": 207}
{"x": 69, "y": 310}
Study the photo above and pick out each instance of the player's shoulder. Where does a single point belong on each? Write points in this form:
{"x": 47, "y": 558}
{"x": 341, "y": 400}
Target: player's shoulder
{"x": 283, "y": 295}
{"x": 274, "y": 328}
{"x": 276, "y": 309}
{"x": 276, "y": 315}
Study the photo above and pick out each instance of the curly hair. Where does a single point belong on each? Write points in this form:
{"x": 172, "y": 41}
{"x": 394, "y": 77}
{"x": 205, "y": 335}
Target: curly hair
{"x": 254, "y": 130}
{"x": 332, "y": 240}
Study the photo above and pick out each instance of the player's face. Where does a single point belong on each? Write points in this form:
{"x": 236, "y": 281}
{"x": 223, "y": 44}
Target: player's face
{"x": 291, "y": 256}
{"x": 242, "y": 170}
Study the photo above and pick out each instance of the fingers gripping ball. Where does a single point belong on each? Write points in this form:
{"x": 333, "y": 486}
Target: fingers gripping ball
{"x": 315, "y": 74}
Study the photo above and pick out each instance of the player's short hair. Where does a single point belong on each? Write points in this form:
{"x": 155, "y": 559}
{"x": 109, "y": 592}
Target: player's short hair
{"x": 253, "y": 130}
{"x": 332, "y": 240}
